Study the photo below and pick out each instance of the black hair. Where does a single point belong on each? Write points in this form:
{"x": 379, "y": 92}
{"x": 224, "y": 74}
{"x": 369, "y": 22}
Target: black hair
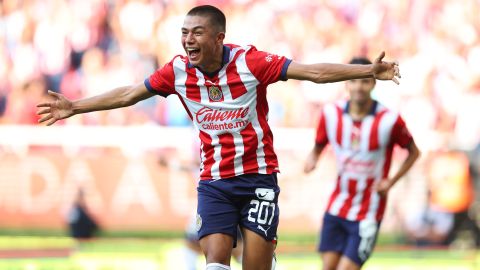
{"x": 360, "y": 61}
{"x": 217, "y": 18}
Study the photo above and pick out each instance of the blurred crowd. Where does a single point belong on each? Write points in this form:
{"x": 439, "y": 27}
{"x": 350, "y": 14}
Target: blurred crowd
{"x": 81, "y": 48}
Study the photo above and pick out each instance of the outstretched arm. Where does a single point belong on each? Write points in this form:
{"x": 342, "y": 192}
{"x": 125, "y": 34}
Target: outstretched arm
{"x": 60, "y": 107}
{"x": 413, "y": 153}
{"x": 312, "y": 158}
{"x": 326, "y": 73}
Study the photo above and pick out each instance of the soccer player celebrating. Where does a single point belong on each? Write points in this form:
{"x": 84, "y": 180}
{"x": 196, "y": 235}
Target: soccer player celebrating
{"x": 362, "y": 133}
{"x": 223, "y": 89}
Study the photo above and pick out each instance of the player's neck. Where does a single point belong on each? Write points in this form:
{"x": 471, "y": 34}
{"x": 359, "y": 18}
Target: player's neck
{"x": 216, "y": 63}
{"x": 359, "y": 110}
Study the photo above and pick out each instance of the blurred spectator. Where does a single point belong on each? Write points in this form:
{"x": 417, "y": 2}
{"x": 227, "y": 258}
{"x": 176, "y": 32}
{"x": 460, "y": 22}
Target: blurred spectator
{"x": 429, "y": 226}
{"x": 21, "y": 103}
{"x": 78, "y": 46}
{"x": 474, "y": 159}
{"x": 452, "y": 192}
{"x": 80, "y": 222}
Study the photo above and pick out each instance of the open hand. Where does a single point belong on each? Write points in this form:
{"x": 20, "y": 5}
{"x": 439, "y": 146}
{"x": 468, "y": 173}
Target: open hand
{"x": 386, "y": 70}
{"x": 58, "y": 108}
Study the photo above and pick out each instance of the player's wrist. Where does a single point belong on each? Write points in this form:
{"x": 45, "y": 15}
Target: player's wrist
{"x": 371, "y": 70}
{"x": 75, "y": 108}
{"x": 391, "y": 182}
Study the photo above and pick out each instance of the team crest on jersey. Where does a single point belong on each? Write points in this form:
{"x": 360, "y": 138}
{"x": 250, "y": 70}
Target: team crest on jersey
{"x": 199, "y": 222}
{"x": 215, "y": 93}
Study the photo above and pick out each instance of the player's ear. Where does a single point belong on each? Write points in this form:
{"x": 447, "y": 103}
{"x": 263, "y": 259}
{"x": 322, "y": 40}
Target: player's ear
{"x": 220, "y": 37}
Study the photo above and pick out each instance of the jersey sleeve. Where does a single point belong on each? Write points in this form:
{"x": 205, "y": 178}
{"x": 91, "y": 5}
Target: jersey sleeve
{"x": 400, "y": 133}
{"x": 162, "y": 81}
{"x": 321, "y": 137}
{"x": 266, "y": 67}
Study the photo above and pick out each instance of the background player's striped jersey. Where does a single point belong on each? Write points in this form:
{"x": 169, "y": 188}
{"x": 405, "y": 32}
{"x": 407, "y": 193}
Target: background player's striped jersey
{"x": 363, "y": 151}
{"x": 229, "y": 108}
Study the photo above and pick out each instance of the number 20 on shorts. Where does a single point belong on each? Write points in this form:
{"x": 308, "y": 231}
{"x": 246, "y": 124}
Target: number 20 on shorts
{"x": 264, "y": 210}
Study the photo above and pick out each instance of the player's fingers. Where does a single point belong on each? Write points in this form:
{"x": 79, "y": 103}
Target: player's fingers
{"x": 46, "y": 104}
{"x": 55, "y": 94}
{"x": 380, "y": 57}
{"x": 397, "y": 72}
{"x": 53, "y": 120}
{"x": 43, "y": 111}
{"x": 45, "y": 118}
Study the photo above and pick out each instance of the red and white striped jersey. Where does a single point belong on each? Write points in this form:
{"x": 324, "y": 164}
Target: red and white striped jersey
{"x": 229, "y": 108}
{"x": 363, "y": 151}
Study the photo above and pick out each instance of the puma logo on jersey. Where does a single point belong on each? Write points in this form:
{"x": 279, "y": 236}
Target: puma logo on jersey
{"x": 266, "y": 194}
{"x": 262, "y": 229}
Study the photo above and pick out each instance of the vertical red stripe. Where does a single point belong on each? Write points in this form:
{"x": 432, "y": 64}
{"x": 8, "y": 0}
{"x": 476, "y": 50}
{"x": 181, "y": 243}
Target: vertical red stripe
{"x": 365, "y": 199}
{"x": 227, "y": 166}
{"x": 352, "y": 190}
{"x": 373, "y": 143}
{"x": 339, "y": 125}
{"x": 381, "y": 208}
{"x": 389, "y": 150}
{"x": 193, "y": 90}
{"x": 250, "y": 144}
{"x": 208, "y": 151}
{"x": 262, "y": 112}
{"x": 233, "y": 78}
{"x": 388, "y": 160}
{"x": 334, "y": 195}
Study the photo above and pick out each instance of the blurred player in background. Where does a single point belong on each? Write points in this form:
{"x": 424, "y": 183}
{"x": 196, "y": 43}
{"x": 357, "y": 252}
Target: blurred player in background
{"x": 429, "y": 225}
{"x": 223, "y": 88}
{"x": 362, "y": 133}
{"x": 81, "y": 224}
{"x": 452, "y": 191}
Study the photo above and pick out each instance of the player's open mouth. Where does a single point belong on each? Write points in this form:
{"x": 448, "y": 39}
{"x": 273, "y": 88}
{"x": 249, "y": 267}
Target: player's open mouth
{"x": 193, "y": 53}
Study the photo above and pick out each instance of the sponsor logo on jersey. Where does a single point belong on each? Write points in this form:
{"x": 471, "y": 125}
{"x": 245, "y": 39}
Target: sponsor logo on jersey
{"x": 207, "y": 114}
{"x": 263, "y": 229}
{"x": 213, "y": 119}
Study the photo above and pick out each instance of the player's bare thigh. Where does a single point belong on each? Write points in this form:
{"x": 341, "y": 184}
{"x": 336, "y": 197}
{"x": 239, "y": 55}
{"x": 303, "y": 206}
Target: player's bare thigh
{"x": 257, "y": 251}
{"x": 347, "y": 264}
{"x": 217, "y": 248}
{"x": 330, "y": 260}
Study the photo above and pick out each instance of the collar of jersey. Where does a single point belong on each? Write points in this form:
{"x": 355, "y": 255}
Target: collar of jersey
{"x": 226, "y": 58}
{"x": 372, "y": 111}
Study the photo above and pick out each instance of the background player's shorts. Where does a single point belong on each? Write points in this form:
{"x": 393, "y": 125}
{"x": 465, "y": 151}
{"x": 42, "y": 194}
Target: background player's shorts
{"x": 354, "y": 239}
{"x": 249, "y": 200}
